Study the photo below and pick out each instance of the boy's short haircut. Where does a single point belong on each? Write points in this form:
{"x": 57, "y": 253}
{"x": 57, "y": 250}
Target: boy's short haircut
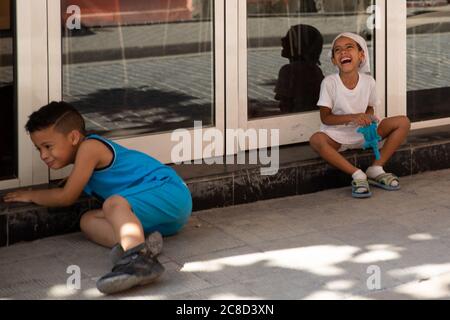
{"x": 62, "y": 115}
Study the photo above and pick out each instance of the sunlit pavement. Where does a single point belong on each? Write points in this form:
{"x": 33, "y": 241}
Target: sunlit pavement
{"x": 320, "y": 246}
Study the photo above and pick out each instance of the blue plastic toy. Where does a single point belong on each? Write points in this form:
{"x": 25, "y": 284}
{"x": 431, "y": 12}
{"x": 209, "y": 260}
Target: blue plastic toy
{"x": 372, "y": 138}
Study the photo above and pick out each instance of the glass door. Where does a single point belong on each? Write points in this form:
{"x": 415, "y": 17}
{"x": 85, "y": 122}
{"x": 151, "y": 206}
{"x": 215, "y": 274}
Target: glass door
{"x": 8, "y": 155}
{"x": 417, "y": 66}
{"x": 428, "y": 57}
{"x": 283, "y": 51}
{"x": 138, "y": 70}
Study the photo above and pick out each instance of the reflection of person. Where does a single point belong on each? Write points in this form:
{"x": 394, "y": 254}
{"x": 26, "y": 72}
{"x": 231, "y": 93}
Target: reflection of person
{"x": 298, "y": 84}
{"x": 347, "y": 100}
{"x": 141, "y": 194}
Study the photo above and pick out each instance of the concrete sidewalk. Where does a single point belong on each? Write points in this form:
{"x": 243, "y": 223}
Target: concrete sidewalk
{"x": 318, "y": 246}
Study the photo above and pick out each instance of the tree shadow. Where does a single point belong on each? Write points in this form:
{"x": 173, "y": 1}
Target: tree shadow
{"x": 351, "y": 278}
{"x": 280, "y": 273}
{"x": 124, "y": 108}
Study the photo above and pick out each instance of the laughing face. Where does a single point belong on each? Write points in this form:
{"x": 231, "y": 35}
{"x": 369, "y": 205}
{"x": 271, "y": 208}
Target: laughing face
{"x": 347, "y": 55}
{"x": 57, "y": 150}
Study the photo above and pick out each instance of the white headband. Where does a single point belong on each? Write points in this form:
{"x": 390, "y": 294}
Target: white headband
{"x": 365, "y": 65}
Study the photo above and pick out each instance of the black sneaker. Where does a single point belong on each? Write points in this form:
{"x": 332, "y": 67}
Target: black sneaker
{"x": 154, "y": 243}
{"x": 136, "y": 268}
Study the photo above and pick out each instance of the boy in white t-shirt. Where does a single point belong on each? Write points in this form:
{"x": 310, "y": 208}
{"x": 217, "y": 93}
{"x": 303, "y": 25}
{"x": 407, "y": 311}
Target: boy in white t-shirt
{"x": 347, "y": 101}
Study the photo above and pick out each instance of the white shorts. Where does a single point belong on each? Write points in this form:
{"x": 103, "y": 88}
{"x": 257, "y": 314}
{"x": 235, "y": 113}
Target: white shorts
{"x": 357, "y": 146}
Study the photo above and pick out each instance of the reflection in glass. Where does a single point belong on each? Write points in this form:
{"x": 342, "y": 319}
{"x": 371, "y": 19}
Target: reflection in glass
{"x": 288, "y": 50}
{"x": 8, "y": 158}
{"x": 428, "y": 41}
{"x": 298, "y": 84}
{"x": 137, "y": 66}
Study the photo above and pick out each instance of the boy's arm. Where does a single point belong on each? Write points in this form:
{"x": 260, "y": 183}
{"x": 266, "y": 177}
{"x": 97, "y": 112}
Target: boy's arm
{"x": 331, "y": 119}
{"x": 87, "y": 158}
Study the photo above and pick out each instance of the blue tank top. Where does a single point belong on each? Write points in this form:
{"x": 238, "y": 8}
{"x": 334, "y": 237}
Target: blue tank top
{"x": 130, "y": 172}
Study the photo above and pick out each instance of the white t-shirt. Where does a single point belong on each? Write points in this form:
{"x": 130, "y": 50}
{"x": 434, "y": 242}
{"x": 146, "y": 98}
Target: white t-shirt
{"x": 341, "y": 100}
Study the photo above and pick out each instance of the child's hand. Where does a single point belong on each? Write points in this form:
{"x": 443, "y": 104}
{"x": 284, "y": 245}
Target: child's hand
{"x": 362, "y": 119}
{"x": 18, "y": 196}
{"x": 375, "y": 118}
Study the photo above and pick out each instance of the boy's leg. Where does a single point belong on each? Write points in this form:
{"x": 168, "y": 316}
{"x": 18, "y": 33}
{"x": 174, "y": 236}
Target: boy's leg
{"x": 394, "y": 130}
{"x": 328, "y": 150}
{"x": 154, "y": 243}
{"x": 137, "y": 265}
{"x": 97, "y": 229}
{"x": 126, "y": 226}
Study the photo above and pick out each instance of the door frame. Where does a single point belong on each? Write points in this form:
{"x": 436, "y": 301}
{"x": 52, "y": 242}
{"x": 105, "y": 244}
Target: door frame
{"x": 32, "y": 86}
{"x": 396, "y": 71}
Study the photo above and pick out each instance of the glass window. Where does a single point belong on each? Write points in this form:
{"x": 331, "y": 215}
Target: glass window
{"x": 137, "y": 66}
{"x": 8, "y": 155}
{"x": 428, "y": 59}
{"x": 288, "y": 46}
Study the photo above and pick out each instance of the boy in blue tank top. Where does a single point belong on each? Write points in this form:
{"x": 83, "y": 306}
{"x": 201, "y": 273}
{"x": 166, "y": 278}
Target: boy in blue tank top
{"x": 140, "y": 194}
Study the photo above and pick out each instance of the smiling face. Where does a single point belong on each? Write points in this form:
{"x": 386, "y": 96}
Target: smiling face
{"x": 57, "y": 149}
{"x": 347, "y": 55}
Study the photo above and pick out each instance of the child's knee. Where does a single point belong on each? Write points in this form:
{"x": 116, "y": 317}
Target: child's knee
{"x": 401, "y": 122}
{"x": 404, "y": 122}
{"x": 113, "y": 203}
{"x": 314, "y": 141}
{"x": 317, "y": 141}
